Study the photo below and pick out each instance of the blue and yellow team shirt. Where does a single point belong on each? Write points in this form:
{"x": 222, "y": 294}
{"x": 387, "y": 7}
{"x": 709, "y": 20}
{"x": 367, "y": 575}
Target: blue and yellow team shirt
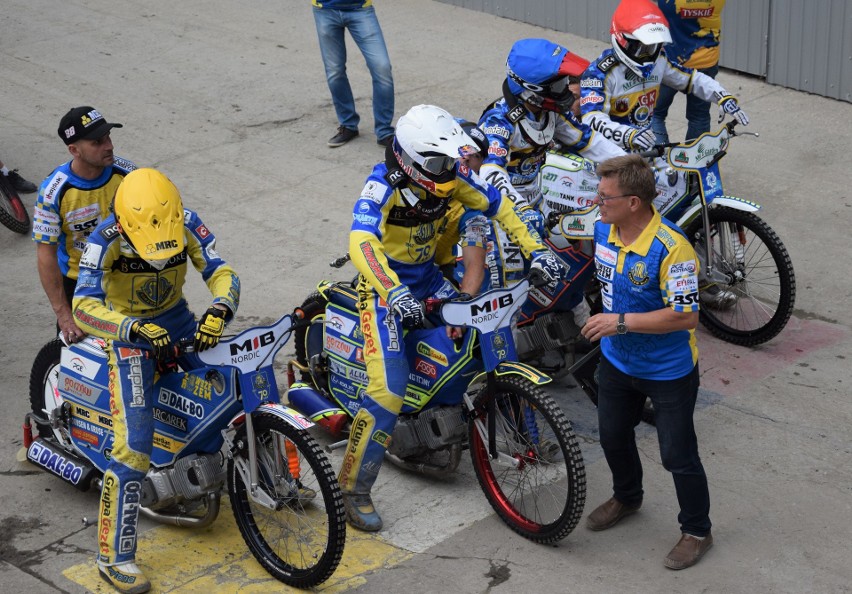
{"x": 658, "y": 270}
{"x": 696, "y": 26}
{"x": 68, "y": 209}
{"x": 392, "y": 246}
{"x": 116, "y": 287}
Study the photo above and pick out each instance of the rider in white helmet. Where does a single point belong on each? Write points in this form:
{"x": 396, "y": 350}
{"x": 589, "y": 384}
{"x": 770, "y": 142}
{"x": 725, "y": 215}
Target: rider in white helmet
{"x": 397, "y": 222}
{"x": 620, "y": 88}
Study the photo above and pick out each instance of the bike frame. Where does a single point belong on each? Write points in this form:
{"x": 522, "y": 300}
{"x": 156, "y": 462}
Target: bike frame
{"x": 252, "y": 353}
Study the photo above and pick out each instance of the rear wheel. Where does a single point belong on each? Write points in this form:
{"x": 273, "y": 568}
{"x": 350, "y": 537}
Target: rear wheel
{"x": 759, "y": 272}
{"x": 299, "y": 537}
{"x": 44, "y": 386}
{"x": 309, "y": 340}
{"x": 13, "y": 213}
{"x": 537, "y": 485}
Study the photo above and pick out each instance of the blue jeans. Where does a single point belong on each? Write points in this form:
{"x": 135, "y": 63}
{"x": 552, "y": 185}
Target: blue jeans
{"x": 697, "y": 111}
{"x": 620, "y": 402}
{"x": 365, "y": 30}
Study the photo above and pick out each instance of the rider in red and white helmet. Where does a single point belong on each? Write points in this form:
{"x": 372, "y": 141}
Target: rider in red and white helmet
{"x": 620, "y": 88}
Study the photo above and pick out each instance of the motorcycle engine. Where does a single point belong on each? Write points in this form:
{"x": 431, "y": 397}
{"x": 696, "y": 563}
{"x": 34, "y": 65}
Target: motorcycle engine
{"x": 432, "y": 429}
{"x": 189, "y": 479}
{"x": 550, "y": 332}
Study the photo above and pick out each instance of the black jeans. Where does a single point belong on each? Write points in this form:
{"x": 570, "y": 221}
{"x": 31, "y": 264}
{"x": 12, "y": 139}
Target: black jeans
{"x": 620, "y": 402}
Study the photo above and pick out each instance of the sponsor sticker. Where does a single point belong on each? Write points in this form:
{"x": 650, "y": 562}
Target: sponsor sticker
{"x": 91, "y": 256}
{"x": 605, "y": 254}
{"x": 374, "y": 191}
{"x": 682, "y": 268}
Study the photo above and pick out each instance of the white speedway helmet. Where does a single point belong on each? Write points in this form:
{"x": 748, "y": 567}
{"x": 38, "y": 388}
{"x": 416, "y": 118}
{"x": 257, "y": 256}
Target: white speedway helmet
{"x": 427, "y": 143}
{"x": 638, "y": 31}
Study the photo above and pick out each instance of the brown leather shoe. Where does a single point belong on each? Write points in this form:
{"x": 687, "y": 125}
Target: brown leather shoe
{"x": 688, "y": 551}
{"x": 609, "y": 513}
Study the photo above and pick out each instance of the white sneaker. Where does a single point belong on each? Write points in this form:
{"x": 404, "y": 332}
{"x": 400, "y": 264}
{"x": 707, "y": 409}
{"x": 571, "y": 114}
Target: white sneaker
{"x": 125, "y": 577}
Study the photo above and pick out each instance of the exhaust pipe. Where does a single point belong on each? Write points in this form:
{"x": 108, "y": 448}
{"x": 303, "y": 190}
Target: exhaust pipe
{"x": 67, "y": 466}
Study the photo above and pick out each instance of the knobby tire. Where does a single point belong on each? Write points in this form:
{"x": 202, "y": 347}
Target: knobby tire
{"x": 543, "y": 495}
{"x": 765, "y": 284}
{"x": 13, "y": 213}
{"x": 301, "y": 542}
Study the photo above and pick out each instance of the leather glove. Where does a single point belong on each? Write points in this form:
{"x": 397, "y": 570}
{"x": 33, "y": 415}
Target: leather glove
{"x": 408, "y": 307}
{"x": 210, "y": 329}
{"x": 642, "y": 139}
{"x": 156, "y": 336}
{"x": 728, "y": 105}
{"x": 549, "y": 265}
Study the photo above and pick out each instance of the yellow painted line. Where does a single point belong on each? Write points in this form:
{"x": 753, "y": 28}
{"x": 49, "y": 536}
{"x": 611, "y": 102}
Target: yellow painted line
{"x": 216, "y": 559}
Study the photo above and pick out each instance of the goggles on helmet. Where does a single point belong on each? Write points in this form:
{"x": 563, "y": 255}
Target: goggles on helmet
{"x": 641, "y": 52}
{"x": 433, "y": 164}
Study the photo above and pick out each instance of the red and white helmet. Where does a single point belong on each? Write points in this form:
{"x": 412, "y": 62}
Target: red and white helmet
{"x": 639, "y": 30}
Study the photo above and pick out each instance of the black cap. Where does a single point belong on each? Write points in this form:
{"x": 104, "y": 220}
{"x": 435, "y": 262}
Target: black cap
{"x": 83, "y": 123}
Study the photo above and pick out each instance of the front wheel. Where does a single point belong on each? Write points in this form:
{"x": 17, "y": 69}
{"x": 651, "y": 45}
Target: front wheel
{"x": 537, "y": 484}
{"x": 759, "y": 275}
{"x": 13, "y": 213}
{"x": 299, "y": 537}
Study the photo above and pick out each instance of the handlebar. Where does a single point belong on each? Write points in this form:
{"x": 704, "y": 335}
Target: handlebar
{"x": 660, "y": 149}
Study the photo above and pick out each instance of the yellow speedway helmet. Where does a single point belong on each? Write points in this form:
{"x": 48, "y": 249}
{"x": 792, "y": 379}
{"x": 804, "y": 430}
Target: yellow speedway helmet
{"x": 149, "y": 213}
{"x": 427, "y": 143}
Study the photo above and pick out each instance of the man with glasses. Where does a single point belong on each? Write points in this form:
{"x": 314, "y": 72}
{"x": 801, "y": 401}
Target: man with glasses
{"x": 649, "y": 287}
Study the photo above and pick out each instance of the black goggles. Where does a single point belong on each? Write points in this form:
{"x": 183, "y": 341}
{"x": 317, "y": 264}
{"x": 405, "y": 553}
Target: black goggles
{"x": 641, "y": 52}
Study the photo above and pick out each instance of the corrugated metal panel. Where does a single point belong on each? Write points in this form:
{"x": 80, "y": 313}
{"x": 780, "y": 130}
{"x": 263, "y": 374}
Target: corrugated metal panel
{"x": 810, "y": 46}
{"x": 745, "y": 30}
{"x": 793, "y": 43}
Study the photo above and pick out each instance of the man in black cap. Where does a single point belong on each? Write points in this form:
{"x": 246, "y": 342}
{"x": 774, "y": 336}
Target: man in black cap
{"x": 71, "y": 202}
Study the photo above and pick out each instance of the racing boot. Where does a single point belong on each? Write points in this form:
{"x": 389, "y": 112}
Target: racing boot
{"x": 713, "y": 297}
{"x": 361, "y": 513}
{"x": 125, "y": 577}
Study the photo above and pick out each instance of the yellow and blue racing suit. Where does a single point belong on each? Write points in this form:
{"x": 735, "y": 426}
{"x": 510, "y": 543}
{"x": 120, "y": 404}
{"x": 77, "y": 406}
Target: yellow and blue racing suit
{"x": 392, "y": 243}
{"x": 68, "y": 209}
{"x": 116, "y": 288}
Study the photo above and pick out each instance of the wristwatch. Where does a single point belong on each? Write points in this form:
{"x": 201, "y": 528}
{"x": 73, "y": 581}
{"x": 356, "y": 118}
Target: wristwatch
{"x": 621, "y": 327}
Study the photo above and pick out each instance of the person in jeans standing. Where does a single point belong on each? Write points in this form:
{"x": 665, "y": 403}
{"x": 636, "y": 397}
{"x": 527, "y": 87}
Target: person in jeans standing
{"x": 332, "y": 18}
{"x": 649, "y": 287}
{"x": 695, "y": 26}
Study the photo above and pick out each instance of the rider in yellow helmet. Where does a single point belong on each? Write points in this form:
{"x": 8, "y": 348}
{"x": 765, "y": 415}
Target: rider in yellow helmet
{"x": 130, "y": 292}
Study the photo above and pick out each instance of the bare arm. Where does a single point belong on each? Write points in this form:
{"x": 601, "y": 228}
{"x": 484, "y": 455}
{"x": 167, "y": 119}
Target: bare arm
{"x": 51, "y": 280}
{"x": 660, "y": 321}
{"x": 474, "y": 269}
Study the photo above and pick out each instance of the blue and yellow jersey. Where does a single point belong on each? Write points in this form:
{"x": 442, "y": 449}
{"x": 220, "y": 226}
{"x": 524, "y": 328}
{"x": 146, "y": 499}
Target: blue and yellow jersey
{"x": 466, "y": 227}
{"x": 395, "y": 230}
{"x": 342, "y": 4}
{"x": 68, "y": 209}
{"x": 510, "y": 150}
{"x": 696, "y": 26}
{"x": 659, "y": 269}
{"x": 116, "y": 287}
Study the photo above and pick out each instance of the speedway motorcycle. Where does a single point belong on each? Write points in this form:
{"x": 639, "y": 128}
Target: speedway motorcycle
{"x": 739, "y": 253}
{"x": 469, "y": 393}
{"x": 214, "y": 425}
